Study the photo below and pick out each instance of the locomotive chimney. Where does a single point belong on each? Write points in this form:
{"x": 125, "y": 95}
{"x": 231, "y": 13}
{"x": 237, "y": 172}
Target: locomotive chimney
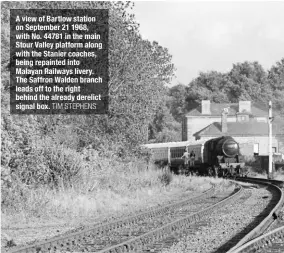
{"x": 224, "y": 125}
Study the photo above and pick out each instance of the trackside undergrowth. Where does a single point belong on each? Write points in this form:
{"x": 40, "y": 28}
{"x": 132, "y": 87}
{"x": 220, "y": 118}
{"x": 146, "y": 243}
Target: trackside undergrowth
{"x": 103, "y": 189}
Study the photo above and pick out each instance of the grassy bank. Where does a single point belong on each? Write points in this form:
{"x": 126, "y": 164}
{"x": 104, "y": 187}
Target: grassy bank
{"x": 103, "y": 189}
{"x": 116, "y": 188}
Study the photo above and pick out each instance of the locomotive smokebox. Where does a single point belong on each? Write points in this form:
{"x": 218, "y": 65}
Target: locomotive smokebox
{"x": 230, "y": 148}
{"x": 227, "y": 146}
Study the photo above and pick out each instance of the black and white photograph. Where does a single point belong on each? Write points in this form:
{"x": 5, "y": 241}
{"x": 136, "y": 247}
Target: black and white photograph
{"x": 142, "y": 126}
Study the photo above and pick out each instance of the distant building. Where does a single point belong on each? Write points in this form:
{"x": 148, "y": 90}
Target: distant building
{"x": 244, "y": 121}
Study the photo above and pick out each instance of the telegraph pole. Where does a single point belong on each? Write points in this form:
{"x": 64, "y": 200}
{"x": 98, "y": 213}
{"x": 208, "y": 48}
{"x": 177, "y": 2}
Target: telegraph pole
{"x": 270, "y": 119}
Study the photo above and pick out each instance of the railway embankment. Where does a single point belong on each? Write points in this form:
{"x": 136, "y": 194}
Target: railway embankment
{"x": 112, "y": 191}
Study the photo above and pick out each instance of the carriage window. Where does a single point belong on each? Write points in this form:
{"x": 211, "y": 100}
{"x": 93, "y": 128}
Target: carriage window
{"x": 274, "y": 150}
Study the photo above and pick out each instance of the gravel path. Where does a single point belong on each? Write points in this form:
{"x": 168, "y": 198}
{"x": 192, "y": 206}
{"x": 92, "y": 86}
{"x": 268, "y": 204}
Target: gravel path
{"x": 219, "y": 229}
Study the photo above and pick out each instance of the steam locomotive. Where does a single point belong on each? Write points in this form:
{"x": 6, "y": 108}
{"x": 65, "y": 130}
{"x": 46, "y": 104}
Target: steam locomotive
{"x": 216, "y": 157}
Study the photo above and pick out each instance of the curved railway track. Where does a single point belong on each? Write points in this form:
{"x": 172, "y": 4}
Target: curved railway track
{"x": 151, "y": 230}
{"x": 193, "y": 238}
{"x": 62, "y": 241}
{"x": 66, "y": 243}
{"x": 272, "y": 242}
{"x": 257, "y": 240}
{"x": 147, "y": 232}
{"x": 225, "y": 228}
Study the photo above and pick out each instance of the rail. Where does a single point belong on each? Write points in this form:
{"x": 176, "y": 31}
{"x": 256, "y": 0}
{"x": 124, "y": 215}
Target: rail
{"x": 71, "y": 239}
{"x": 137, "y": 243}
{"x": 269, "y": 219}
{"x": 261, "y": 241}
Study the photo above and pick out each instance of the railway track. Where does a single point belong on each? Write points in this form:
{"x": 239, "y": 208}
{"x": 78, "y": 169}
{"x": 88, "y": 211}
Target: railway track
{"x": 224, "y": 228}
{"x": 148, "y": 231}
{"x": 275, "y": 218}
{"x": 271, "y": 242}
{"x": 153, "y": 230}
{"x": 261, "y": 239}
{"x": 279, "y": 222}
{"x": 82, "y": 238}
{"x": 101, "y": 229}
{"x": 194, "y": 233}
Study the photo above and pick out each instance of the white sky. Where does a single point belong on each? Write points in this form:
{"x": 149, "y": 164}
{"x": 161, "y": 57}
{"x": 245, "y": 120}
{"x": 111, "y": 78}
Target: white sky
{"x": 204, "y": 36}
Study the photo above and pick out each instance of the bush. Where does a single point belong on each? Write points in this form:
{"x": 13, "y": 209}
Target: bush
{"x": 249, "y": 160}
{"x": 166, "y": 178}
{"x": 252, "y": 165}
{"x": 63, "y": 164}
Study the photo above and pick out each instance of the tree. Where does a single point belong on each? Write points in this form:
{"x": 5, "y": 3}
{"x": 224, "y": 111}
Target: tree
{"x": 212, "y": 86}
{"x": 138, "y": 72}
{"x": 276, "y": 81}
{"x": 248, "y": 81}
{"x": 177, "y": 101}
{"x": 245, "y": 81}
{"x": 164, "y": 128}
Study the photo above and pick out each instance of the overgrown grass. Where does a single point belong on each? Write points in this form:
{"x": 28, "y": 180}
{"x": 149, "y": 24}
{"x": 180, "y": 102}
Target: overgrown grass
{"x": 253, "y": 169}
{"x": 277, "y": 175}
{"x": 102, "y": 186}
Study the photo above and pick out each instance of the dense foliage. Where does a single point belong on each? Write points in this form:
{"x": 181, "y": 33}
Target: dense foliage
{"x": 49, "y": 149}
{"x": 245, "y": 81}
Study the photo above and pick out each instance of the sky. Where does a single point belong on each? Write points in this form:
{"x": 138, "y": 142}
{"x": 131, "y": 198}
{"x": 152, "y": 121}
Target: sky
{"x": 205, "y": 36}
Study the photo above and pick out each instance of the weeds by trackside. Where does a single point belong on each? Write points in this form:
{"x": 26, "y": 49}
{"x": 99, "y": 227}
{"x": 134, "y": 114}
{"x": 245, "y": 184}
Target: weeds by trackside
{"x": 98, "y": 189}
